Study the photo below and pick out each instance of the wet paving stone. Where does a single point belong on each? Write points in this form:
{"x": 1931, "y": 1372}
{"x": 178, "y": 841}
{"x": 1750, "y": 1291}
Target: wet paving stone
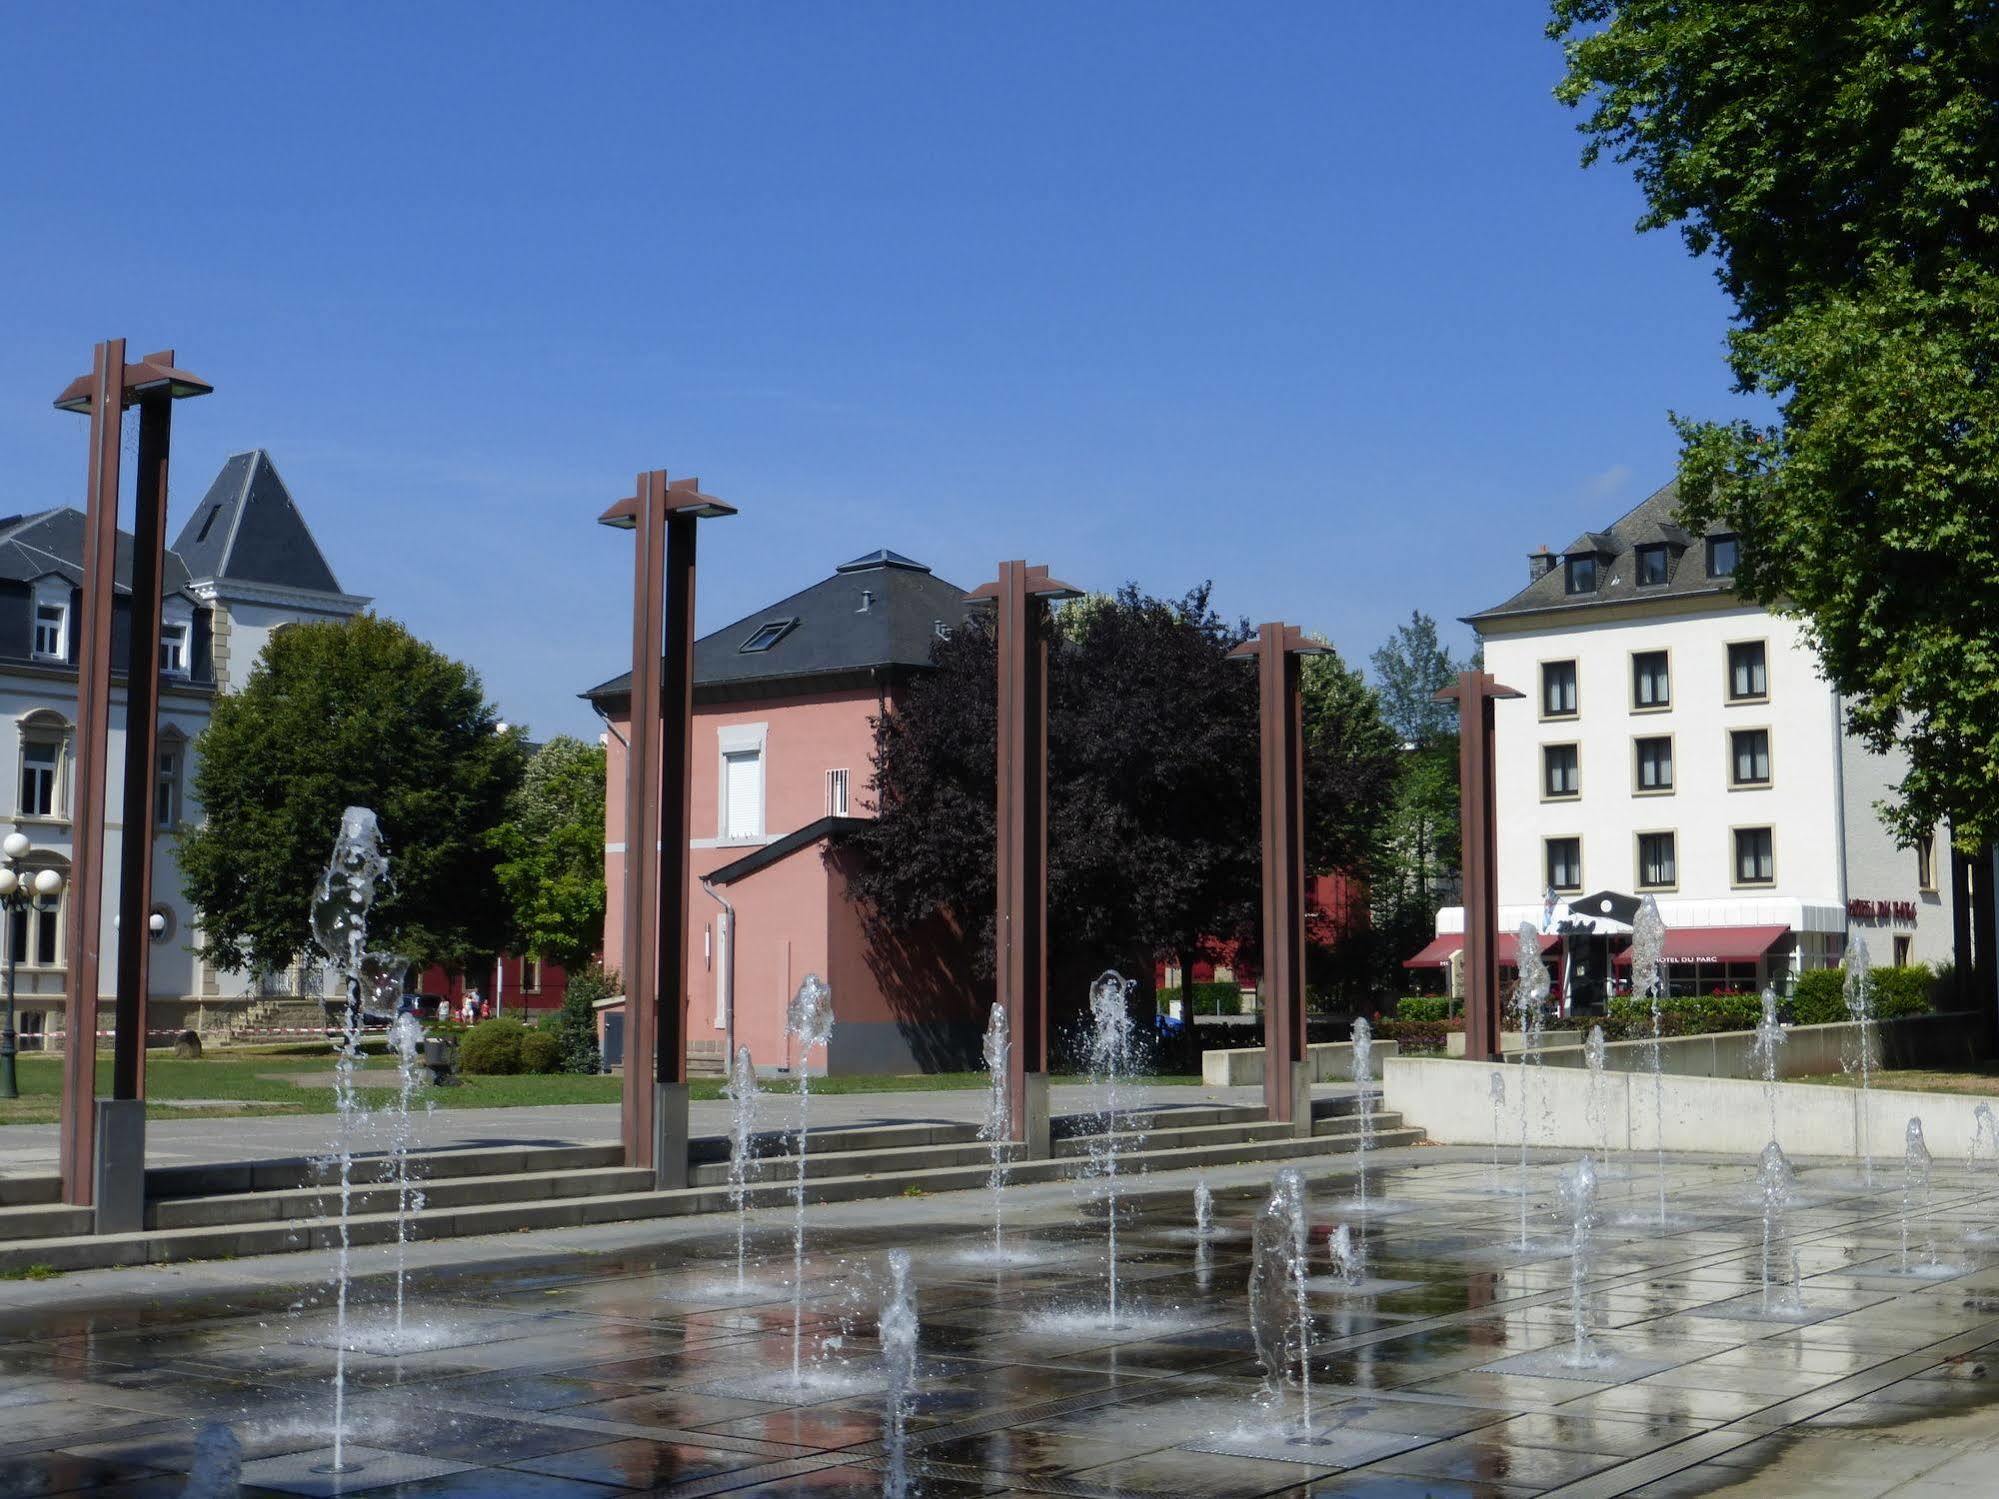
{"x": 1442, "y": 1373}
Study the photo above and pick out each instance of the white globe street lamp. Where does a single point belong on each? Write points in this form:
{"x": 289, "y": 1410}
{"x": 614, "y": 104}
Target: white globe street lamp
{"x": 20, "y": 891}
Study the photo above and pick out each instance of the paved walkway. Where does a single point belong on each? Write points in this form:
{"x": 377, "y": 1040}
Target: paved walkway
{"x": 27, "y": 1149}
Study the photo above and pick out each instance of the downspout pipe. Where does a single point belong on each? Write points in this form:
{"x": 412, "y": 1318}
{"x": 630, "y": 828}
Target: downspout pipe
{"x": 725, "y": 957}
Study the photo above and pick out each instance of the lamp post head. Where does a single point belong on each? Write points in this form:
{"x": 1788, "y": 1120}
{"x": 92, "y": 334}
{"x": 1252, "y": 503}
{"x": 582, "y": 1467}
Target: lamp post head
{"x": 1038, "y": 586}
{"x": 683, "y": 497}
{"x": 1291, "y": 640}
{"x": 48, "y": 882}
{"x": 153, "y": 375}
{"x": 14, "y": 845}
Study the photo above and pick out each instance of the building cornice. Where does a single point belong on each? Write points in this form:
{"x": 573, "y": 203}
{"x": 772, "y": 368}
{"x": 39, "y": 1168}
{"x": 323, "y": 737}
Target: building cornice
{"x": 236, "y": 591}
{"x": 1620, "y": 611}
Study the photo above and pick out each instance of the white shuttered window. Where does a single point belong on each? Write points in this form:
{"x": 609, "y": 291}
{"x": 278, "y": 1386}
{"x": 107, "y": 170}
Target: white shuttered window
{"x": 743, "y": 794}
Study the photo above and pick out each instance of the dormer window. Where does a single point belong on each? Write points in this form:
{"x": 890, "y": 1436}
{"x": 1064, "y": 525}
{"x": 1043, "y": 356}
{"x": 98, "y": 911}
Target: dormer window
{"x": 1651, "y": 565}
{"x": 173, "y": 649}
{"x": 1581, "y": 574}
{"x": 1722, "y": 552}
{"x": 51, "y": 632}
{"x": 766, "y": 635}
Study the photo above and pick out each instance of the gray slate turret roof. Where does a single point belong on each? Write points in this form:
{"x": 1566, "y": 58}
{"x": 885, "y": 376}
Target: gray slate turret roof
{"x": 880, "y": 611}
{"x": 248, "y": 530}
{"x": 1654, "y": 519}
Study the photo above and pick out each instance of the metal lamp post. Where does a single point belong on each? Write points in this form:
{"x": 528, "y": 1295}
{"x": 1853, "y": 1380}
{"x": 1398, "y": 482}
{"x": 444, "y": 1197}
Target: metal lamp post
{"x": 19, "y": 891}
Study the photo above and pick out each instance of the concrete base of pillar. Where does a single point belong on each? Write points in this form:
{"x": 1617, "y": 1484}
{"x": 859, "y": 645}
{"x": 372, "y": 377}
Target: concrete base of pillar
{"x": 1034, "y": 1133}
{"x": 669, "y": 1136}
{"x": 120, "y": 1173}
{"x": 1301, "y": 1099}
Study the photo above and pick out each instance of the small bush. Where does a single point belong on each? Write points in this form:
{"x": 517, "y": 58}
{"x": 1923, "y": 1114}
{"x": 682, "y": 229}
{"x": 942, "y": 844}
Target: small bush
{"x": 576, "y": 1022}
{"x": 1630, "y": 1017}
{"x": 1894, "y": 993}
{"x": 492, "y": 1048}
{"x": 1423, "y": 1007}
{"x": 1209, "y": 999}
{"x": 1418, "y": 1037}
{"x": 541, "y": 1052}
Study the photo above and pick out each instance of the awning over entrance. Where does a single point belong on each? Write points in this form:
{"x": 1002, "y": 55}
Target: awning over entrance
{"x": 1442, "y": 949}
{"x": 1714, "y": 944}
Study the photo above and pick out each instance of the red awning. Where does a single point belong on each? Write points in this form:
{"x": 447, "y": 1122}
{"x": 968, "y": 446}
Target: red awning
{"x": 1714, "y": 944}
{"x": 1440, "y": 951}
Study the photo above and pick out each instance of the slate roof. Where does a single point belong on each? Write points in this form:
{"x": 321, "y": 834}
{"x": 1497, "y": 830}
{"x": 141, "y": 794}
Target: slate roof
{"x": 1654, "y": 519}
{"x": 247, "y": 529}
{"x": 51, "y": 542}
{"x": 831, "y": 632}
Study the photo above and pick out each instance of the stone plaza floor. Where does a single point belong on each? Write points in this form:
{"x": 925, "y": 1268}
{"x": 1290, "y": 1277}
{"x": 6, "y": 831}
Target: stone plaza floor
{"x": 618, "y": 1360}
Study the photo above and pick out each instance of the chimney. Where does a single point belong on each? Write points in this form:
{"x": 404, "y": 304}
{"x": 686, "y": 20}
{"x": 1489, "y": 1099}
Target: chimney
{"x": 867, "y": 601}
{"x": 1540, "y": 562}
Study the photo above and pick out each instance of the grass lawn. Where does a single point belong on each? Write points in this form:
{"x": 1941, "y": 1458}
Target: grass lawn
{"x": 1974, "y": 1077}
{"x": 264, "y": 1080}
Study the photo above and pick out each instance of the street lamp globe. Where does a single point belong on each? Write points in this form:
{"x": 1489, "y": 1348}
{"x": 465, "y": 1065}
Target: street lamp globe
{"x": 14, "y": 845}
{"x": 157, "y": 923}
{"x": 48, "y": 882}
{"x": 9, "y": 882}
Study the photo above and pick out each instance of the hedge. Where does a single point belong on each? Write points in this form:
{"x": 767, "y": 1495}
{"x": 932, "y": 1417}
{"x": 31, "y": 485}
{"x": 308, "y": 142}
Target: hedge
{"x": 1424, "y": 1007}
{"x": 1819, "y": 996}
{"x": 1217, "y": 998}
{"x": 1417, "y": 1036}
{"x": 1630, "y": 1018}
{"x": 492, "y": 1048}
{"x": 541, "y": 1052}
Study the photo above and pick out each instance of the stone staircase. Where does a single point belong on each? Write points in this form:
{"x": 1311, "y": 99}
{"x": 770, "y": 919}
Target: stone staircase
{"x": 209, "y": 1212}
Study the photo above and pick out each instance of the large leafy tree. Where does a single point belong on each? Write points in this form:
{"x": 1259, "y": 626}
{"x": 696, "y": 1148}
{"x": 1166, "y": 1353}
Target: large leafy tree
{"x": 355, "y": 712}
{"x": 551, "y": 851}
{"x": 1839, "y": 160}
{"x": 1153, "y": 820}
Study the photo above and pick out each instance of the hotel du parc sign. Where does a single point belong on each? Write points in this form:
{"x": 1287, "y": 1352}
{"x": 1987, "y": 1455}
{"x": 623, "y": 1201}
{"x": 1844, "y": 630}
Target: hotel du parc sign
{"x": 1881, "y": 910}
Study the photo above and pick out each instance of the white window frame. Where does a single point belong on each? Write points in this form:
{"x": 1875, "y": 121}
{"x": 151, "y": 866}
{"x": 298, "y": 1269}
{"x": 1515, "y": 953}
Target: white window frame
{"x": 177, "y": 638}
{"x": 46, "y": 599}
{"x": 733, "y": 740}
{"x": 838, "y": 794}
{"x": 46, "y": 729}
{"x": 169, "y": 772}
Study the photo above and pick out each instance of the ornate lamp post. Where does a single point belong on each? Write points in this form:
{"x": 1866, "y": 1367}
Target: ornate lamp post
{"x": 19, "y": 891}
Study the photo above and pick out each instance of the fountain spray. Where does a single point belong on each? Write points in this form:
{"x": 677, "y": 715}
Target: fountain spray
{"x": 406, "y": 1036}
{"x": 1530, "y": 994}
{"x": 1597, "y": 1107}
{"x": 1648, "y": 945}
{"x": 998, "y": 1127}
{"x": 1916, "y": 1198}
{"x": 1579, "y": 1190}
{"x": 1110, "y": 1045}
{"x": 1496, "y": 1090}
{"x": 744, "y": 1097}
{"x": 1857, "y": 1056}
{"x": 898, "y": 1330}
{"x": 1363, "y": 1074}
{"x": 340, "y": 905}
{"x": 1770, "y": 1040}
{"x": 1204, "y": 1210}
{"x": 1280, "y": 1318}
{"x": 809, "y": 1018}
{"x": 1778, "y": 1183}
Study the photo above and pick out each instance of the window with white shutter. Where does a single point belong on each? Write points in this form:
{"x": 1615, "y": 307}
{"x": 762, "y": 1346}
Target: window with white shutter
{"x": 743, "y": 794}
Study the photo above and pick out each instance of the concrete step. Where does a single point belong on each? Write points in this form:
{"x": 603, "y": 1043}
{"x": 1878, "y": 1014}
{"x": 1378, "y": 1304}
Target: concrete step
{"x": 1166, "y": 1135}
{"x": 1349, "y": 1124}
{"x": 42, "y": 1220}
{"x": 166, "y": 1245}
{"x": 371, "y": 1195}
{"x": 1158, "y": 1116}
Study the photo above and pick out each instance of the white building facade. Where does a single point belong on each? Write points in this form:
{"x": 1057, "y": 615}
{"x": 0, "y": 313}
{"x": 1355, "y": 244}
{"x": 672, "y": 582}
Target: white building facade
{"x": 244, "y": 565}
{"x": 1674, "y": 741}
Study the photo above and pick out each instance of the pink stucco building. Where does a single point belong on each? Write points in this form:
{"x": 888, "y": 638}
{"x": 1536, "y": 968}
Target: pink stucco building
{"x": 784, "y": 707}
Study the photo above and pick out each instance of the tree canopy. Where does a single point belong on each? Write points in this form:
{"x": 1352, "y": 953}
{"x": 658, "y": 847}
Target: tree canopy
{"x": 1409, "y": 669}
{"x": 1153, "y": 818}
{"x": 1839, "y": 159}
{"x": 352, "y": 712}
{"x": 551, "y": 853}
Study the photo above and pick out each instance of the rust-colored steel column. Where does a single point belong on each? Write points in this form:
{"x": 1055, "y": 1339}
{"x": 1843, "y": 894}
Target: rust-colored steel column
{"x": 658, "y": 815}
{"x": 1021, "y": 595}
{"x": 142, "y": 730}
{"x": 1475, "y": 693}
{"x": 87, "y": 786}
{"x": 1287, "y": 1089}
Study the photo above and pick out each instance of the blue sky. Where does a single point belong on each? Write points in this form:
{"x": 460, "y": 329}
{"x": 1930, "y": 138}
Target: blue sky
{"x": 1313, "y": 300}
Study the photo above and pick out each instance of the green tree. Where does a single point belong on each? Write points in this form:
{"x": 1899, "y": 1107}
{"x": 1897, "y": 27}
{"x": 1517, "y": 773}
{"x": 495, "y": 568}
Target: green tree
{"x": 551, "y": 853}
{"x": 1408, "y": 671}
{"x": 1839, "y": 159}
{"x": 353, "y": 712}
